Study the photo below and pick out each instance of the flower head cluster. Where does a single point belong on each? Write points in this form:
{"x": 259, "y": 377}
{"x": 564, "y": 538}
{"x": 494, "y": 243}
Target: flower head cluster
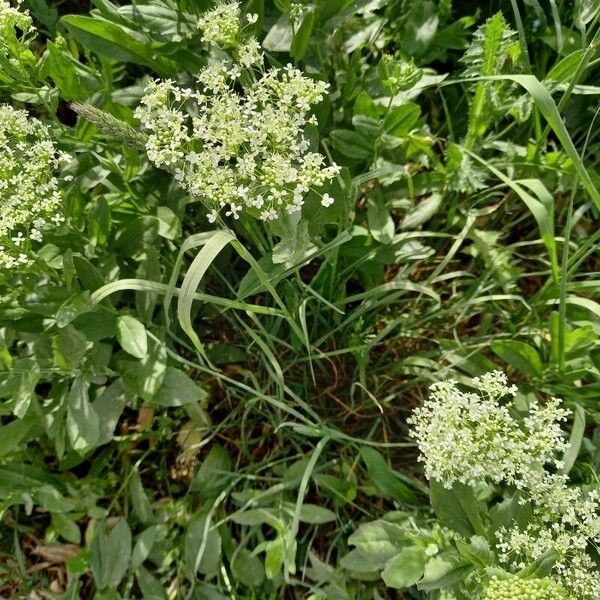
{"x": 221, "y": 25}
{"x": 514, "y": 588}
{"x": 238, "y": 143}
{"x": 471, "y": 438}
{"x": 564, "y": 521}
{"x": 29, "y": 192}
{"x": 15, "y": 25}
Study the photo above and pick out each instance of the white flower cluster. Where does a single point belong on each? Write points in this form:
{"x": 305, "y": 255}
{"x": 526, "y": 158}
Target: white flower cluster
{"x": 29, "y": 192}
{"x": 471, "y": 438}
{"x": 514, "y": 588}
{"x": 238, "y": 142}
{"x": 11, "y": 20}
{"x": 566, "y": 521}
{"x": 221, "y": 25}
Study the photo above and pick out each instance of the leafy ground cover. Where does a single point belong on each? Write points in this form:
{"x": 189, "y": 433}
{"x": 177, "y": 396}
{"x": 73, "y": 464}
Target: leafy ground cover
{"x": 288, "y": 293}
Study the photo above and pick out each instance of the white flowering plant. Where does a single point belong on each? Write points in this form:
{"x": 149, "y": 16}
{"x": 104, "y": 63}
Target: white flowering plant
{"x": 238, "y": 139}
{"x": 238, "y": 241}
{"x": 514, "y": 526}
{"x": 30, "y": 192}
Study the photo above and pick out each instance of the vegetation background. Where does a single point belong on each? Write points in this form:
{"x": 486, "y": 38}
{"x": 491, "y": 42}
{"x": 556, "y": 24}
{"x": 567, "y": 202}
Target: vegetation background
{"x": 463, "y": 238}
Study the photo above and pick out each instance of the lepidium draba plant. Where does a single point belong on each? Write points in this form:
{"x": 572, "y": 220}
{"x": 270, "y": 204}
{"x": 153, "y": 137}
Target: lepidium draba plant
{"x": 518, "y": 528}
{"x": 30, "y": 194}
{"x": 237, "y": 141}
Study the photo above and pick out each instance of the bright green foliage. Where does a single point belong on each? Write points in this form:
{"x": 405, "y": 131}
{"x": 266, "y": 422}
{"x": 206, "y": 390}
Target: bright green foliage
{"x": 240, "y": 241}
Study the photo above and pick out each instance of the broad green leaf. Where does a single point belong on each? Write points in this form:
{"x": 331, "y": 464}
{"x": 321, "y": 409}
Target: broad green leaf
{"x": 143, "y": 546}
{"x": 139, "y": 499}
{"x": 248, "y": 569}
{"x": 381, "y": 224}
{"x": 201, "y": 547}
{"x": 13, "y": 434}
{"x": 384, "y": 478}
{"x": 378, "y": 541}
{"x": 110, "y": 554}
{"x": 316, "y": 515}
{"x": 355, "y": 562}
{"x": 214, "y": 472}
{"x": 178, "y": 389}
{"x": 132, "y": 336}
{"x": 422, "y": 212}
{"x": 520, "y": 355}
{"x": 457, "y": 508}
{"x": 109, "y": 39}
{"x": 441, "y": 572}
{"x": 351, "y": 144}
{"x": 404, "y": 569}
{"x": 83, "y": 424}
{"x": 280, "y": 36}
{"x": 151, "y": 588}
{"x": 402, "y": 119}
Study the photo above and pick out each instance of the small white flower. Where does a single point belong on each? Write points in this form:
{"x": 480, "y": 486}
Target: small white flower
{"x": 35, "y": 235}
{"x": 18, "y": 239}
{"x": 212, "y": 215}
{"x": 327, "y": 200}
{"x": 251, "y": 18}
{"x": 233, "y": 211}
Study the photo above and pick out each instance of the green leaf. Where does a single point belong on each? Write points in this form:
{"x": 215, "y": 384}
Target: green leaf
{"x": 402, "y": 119}
{"x": 274, "y": 558}
{"x": 110, "y": 554}
{"x": 139, "y": 499}
{"x": 69, "y": 348}
{"x": 384, "y": 478}
{"x": 351, "y": 144}
{"x": 457, "y": 508}
{"x": 301, "y": 38}
{"x": 422, "y": 212}
{"x": 201, "y": 547}
{"x": 248, "y": 569}
{"x": 132, "y": 336}
{"x": 214, "y": 472}
{"x": 441, "y": 572}
{"x": 575, "y": 439}
{"x": 279, "y": 38}
{"x": 143, "y": 546}
{"x": 151, "y": 588}
{"x": 378, "y": 541}
{"x": 83, "y": 426}
{"x": 381, "y": 224}
{"x": 109, "y": 39}
{"x": 212, "y": 246}
{"x": 169, "y": 224}
{"x": 13, "y": 434}
{"x": 178, "y": 389}
{"x": 405, "y": 569}
{"x": 520, "y": 355}
{"x": 316, "y": 515}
